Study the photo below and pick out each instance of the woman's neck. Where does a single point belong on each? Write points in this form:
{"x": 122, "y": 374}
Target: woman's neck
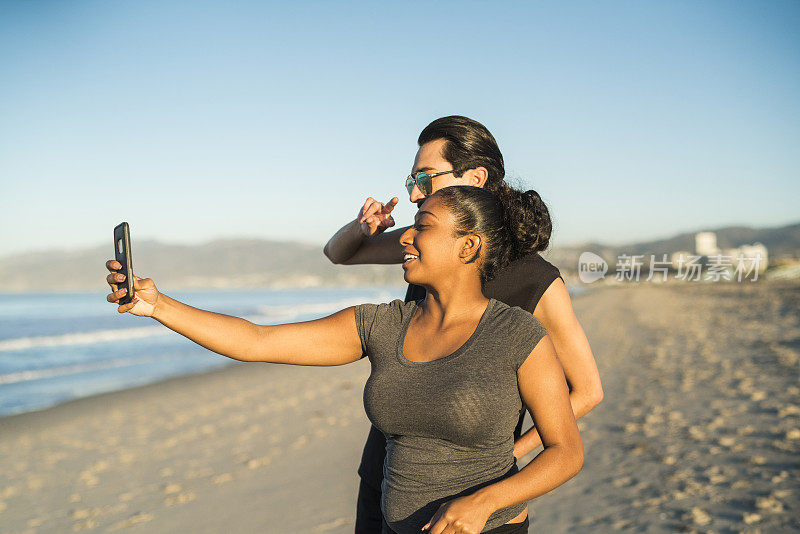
{"x": 453, "y": 304}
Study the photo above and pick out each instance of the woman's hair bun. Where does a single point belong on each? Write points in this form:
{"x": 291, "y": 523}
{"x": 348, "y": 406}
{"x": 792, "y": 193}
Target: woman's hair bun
{"x": 513, "y": 223}
{"x": 528, "y": 219}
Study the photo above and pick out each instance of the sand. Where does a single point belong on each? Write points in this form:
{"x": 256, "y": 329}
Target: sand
{"x": 699, "y": 431}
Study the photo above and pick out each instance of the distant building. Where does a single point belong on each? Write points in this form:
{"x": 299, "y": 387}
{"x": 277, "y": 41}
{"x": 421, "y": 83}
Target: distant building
{"x": 705, "y": 244}
{"x": 747, "y": 257}
{"x": 750, "y": 256}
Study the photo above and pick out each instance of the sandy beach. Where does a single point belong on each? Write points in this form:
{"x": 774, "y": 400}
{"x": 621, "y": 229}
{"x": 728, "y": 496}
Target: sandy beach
{"x": 699, "y": 431}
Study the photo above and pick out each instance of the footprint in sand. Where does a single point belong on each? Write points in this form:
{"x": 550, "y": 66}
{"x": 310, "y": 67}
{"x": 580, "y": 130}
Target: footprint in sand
{"x": 135, "y": 519}
{"x": 750, "y": 518}
{"x": 126, "y": 457}
{"x": 699, "y": 516}
{"x": 255, "y": 463}
{"x": 36, "y": 522}
{"x": 221, "y": 479}
{"x": 84, "y": 513}
{"x": 180, "y": 498}
{"x": 622, "y": 481}
{"x": 172, "y": 488}
{"x": 769, "y": 504}
{"x": 84, "y": 525}
{"x": 198, "y": 473}
{"x": 783, "y": 475}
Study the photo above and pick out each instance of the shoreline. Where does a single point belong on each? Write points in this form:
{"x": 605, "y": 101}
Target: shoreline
{"x": 120, "y": 395}
{"x": 579, "y": 291}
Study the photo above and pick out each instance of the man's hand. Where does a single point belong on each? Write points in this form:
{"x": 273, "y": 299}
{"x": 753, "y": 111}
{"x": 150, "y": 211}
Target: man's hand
{"x": 527, "y": 442}
{"x": 375, "y": 217}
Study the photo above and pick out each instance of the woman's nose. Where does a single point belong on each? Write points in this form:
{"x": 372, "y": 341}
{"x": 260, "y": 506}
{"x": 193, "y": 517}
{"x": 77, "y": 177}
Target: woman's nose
{"x": 407, "y": 237}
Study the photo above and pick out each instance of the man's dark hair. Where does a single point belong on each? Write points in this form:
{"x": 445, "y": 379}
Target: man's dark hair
{"x": 470, "y": 145}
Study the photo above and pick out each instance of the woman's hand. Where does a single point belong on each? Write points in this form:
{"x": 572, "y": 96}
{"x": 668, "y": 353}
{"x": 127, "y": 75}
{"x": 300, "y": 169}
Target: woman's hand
{"x": 145, "y": 292}
{"x": 464, "y": 515}
{"x": 375, "y": 217}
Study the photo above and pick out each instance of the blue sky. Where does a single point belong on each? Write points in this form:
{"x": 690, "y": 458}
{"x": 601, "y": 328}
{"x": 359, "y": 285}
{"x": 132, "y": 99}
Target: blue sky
{"x": 199, "y": 120}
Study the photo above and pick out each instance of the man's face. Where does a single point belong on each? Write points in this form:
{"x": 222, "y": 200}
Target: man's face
{"x": 429, "y": 159}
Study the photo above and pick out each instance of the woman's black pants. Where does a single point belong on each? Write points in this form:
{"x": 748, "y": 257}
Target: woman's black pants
{"x": 508, "y": 528}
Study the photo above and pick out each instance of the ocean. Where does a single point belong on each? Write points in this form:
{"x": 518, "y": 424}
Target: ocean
{"x": 64, "y": 346}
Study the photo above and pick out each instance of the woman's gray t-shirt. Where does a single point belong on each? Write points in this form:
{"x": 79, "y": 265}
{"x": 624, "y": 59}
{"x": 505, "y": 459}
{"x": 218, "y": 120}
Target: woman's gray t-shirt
{"x": 449, "y": 422}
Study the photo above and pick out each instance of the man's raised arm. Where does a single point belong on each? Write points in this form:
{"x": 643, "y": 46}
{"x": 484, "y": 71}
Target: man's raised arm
{"x": 363, "y": 240}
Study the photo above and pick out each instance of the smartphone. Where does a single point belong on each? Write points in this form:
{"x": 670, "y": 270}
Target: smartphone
{"x": 122, "y": 253}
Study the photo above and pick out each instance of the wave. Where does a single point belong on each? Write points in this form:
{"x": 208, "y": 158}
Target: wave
{"x": 81, "y": 338}
{"x": 264, "y": 314}
{"x": 38, "y": 374}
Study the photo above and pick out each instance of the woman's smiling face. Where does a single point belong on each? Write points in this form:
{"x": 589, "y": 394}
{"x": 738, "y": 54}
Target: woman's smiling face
{"x": 430, "y": 245}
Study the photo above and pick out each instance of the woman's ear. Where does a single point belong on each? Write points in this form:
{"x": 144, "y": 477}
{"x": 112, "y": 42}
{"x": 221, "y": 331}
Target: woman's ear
{"x": 470, "y": 249}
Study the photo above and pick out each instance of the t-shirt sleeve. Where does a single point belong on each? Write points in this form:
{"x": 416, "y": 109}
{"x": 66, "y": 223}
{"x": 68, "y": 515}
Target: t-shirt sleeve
{"x": 527, "y": 336}
{"x": 545, "y": 274}
{"x": 365, "y": 320}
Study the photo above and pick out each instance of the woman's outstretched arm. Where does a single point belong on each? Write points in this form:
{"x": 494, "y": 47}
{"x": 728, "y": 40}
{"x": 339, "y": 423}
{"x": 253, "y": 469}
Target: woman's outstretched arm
{"x": 555, "y": 312}
{"x": 331, "y": 340}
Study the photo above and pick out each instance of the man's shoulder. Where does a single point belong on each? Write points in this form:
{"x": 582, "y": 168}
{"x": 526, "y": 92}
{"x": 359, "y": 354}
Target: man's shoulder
{"x": 534, "y": 260}
{"x": 530, "y": 267}
{"x": 523, "y": 282}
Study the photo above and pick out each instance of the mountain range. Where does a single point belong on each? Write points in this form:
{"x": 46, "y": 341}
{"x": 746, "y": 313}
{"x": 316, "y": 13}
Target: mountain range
{"x": 782, "y": 242}
{"x": 234, "y": 263}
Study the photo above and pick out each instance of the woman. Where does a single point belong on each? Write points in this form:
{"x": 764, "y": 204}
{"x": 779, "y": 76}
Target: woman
{"x": 457, "y": 150}
{"x": 449, "y": 373}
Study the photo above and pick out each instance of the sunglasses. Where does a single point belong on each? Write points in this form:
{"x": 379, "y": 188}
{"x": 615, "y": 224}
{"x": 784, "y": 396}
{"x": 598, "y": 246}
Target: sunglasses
{"x": 423, "y": 181}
